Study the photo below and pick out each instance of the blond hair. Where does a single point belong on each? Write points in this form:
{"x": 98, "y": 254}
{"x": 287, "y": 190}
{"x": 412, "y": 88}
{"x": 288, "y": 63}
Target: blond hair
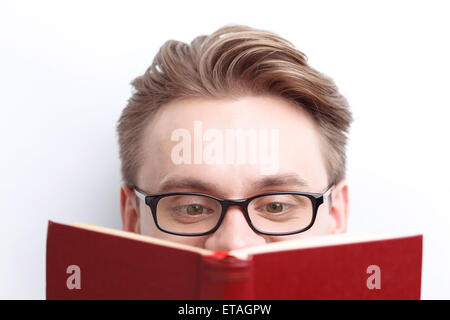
{"x": 233, "y": 61}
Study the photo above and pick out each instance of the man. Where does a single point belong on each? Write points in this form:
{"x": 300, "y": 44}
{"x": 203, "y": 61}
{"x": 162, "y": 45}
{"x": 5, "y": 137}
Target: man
{"x": 238, "y": 115}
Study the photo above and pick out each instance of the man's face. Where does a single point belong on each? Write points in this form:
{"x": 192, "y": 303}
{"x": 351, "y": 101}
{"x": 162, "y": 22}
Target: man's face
{"x": 292, "y": 160}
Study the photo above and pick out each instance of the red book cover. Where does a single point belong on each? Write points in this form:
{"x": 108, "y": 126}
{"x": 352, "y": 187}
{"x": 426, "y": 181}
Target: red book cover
{"x": 90, "y": 262}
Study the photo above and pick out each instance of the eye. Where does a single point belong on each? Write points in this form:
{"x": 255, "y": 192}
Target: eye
{"x": 275, "y": 207}
{"x": 194, "y": 209}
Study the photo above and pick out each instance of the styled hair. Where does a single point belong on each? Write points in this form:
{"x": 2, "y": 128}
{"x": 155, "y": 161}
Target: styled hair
{"x": 234, "y": 61}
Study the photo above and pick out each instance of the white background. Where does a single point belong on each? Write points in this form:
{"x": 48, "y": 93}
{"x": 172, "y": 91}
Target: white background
{"x": 65, "y": 69}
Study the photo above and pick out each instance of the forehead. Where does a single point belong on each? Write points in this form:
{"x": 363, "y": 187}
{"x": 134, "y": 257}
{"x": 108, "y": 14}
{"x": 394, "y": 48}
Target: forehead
{"x": 203, "y": 122}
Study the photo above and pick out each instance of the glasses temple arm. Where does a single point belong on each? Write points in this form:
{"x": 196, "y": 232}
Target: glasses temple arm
{"x": 139, "y": 194}
{"x": 328, "y": 192}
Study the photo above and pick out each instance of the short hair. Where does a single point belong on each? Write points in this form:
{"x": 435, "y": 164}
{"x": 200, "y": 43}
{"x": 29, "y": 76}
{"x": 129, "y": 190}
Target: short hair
{"x": 234, "y": 61}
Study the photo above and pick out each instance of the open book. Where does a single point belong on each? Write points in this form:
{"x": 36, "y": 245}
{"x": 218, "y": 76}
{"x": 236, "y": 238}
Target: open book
{"x": 92, "y": 262}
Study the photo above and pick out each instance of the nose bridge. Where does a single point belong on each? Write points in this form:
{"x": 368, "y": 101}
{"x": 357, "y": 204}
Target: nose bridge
{"x": 239, "y": 203}
{"x": 235, "y": 231}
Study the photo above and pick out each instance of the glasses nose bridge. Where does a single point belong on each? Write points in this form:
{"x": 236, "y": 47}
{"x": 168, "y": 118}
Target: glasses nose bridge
{"x": 241, "y": 203}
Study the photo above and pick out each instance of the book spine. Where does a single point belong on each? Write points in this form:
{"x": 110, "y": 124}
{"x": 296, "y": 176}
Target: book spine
{"x": 224, "y": 277}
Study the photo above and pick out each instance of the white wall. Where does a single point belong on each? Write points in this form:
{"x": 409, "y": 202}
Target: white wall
{"x": 65, "y": 68}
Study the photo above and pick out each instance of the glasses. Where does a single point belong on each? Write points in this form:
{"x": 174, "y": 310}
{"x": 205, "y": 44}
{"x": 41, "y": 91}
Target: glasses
{"x": 198, "y": 214}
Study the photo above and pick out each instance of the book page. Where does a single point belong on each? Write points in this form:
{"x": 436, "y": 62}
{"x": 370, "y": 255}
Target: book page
{"x": 141, "y": 237}
{"x": 244, "y": 253}
{"x": 318, "y": 241}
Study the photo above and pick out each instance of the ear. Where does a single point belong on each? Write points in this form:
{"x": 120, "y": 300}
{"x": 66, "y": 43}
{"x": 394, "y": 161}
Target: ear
{"x": 339, "y": 208}
{"x": 129, "y": 209}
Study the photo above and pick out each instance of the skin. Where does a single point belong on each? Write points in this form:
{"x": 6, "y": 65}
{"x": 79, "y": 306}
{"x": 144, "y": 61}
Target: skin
{"x": 300, "y": 156}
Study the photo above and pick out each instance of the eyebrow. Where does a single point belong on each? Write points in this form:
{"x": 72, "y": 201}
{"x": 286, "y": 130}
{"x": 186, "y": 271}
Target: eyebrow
{"x": 186, "y": 183}
{"x": 289, "y": 179}
{"x": 174, "y": 184}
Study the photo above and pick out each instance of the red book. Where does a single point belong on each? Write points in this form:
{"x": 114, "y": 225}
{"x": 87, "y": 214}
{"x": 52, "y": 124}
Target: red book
{"x": 92, "y": 262}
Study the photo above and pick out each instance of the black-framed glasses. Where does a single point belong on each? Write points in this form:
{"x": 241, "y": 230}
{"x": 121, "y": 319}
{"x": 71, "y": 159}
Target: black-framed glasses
{"x": 198, "y": 214}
